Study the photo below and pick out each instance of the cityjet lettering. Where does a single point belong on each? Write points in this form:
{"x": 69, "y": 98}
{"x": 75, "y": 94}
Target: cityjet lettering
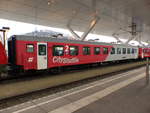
{"x": 65, "y": 60}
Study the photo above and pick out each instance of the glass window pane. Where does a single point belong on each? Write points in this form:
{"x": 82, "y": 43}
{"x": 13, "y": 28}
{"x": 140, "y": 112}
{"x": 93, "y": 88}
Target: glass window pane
{"x": 118, "y": 50}
{"x": 30, "y": 48}
{"x": 113, "y": 51}
{"x": 96, "y": 50}
{"x": 124, "y": 50}
{"x": 73, "y": 50}
{"x": 128, "y": 51}
{"x": 133, "y": 50}
{"x": 58, "y": 50}
{"x": 42, "y": 49}
{"x": 105, "y": 50}
{"x": 86, "y": 50}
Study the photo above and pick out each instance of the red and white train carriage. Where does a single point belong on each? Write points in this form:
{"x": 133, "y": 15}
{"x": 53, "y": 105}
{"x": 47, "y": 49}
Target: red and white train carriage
{"x": 144, "y": 52}
{"x": 37, "y": 53}
{"x": 3, "y": 58}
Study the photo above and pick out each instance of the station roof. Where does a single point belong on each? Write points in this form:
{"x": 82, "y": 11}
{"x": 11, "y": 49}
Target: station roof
{"x": 114, "y": 14}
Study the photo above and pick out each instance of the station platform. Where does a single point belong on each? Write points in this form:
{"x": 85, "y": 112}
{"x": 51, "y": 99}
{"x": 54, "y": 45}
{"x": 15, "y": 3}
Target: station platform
{"x": 122, "y": 93}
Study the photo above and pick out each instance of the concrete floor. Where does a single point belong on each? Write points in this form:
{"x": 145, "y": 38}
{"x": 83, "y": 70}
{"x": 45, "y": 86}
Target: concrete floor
{"x": 123, "y": 93}
{"x": 131, "y": 99}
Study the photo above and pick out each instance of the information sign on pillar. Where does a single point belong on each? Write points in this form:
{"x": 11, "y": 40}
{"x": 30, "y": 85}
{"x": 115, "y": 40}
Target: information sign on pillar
{"x": 139, "y": 23}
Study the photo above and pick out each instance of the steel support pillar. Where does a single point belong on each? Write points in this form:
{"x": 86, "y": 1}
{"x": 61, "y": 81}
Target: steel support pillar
{"x": 92, "y": 25}
{"x": 73, "y": 33}
{"x": 147, "y": 70}
{"x": 129, "y": 40}
{"x": 89, "y": 29}
{"x": 117, "y": 38}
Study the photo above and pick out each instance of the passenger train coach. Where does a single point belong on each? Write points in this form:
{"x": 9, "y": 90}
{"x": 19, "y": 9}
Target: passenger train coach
{"x": 37, "y": 53}
{"x": 146, "y": 52}
{"x": 3, "y": 58}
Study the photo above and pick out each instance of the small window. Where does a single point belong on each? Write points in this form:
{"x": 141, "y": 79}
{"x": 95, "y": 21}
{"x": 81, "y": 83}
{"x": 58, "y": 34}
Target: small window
{"x": 42, "y": 49}
{"x": 96, "y": 50}
{"x": 73, "y": 50}
{"x": 124, "y": 50}
{"x": 113, "y": 51}
{"x": 58, "y": 50}
{"x": 30, "y": 48}
{"x": 105, "y": 50}
{"x": 133, "y": 50}
{"x": 86, "y": 50}
{"x": 145, "y": 50}
{"x": 128, "y": 51}
{"x": 118, "y": 50}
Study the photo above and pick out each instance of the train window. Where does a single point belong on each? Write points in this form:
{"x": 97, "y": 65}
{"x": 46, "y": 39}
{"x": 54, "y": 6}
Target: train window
{"x": 133, "y": 50}
{"x": 105, "y": 50}
{"x": 118, "y": 50}
{"x": 146, "y": 50}
{"x": 128, "y": 51}
{"x": 42, "y": 49}
{"x": 58, "y": 50}
{"x": 96, "y": 50}
{"x": 86, "y": 50}
{"x": 73, "y": 50}
{"x": 124, "y": 50}
{"x": 30, "y": 48}
{"x": 113, "y": 51}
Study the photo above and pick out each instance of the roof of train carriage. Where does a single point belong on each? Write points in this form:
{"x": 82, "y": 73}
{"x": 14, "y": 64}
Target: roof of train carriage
{"x": 49, "y": 39}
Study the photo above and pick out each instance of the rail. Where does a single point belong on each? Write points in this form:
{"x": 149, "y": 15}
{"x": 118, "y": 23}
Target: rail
{"x": 23, "y": 87}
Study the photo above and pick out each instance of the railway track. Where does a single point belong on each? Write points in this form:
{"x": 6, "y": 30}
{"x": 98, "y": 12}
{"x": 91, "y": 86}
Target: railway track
{"x": 14, "y": 88}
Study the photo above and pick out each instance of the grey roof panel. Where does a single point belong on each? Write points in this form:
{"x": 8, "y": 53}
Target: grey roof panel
{"x": 49, "y": 39}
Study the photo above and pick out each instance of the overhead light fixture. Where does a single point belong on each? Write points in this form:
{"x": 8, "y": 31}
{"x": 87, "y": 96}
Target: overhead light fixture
{"x": 50, "y": 2}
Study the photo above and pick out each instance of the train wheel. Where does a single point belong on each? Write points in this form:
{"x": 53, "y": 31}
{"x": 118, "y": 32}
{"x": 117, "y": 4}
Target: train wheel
{"x": 3, "y": 75}
{"x": 3, "y": 72}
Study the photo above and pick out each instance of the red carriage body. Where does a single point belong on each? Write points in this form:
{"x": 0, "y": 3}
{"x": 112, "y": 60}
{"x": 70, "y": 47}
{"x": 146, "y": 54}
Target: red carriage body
{"x": 3, "y": 56}
{"x": 44, "y": 52}
{"x": 146, "y": 52}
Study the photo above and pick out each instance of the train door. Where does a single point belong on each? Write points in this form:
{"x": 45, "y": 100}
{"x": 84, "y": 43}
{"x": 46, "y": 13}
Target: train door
{"x": 41, "y": 56}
